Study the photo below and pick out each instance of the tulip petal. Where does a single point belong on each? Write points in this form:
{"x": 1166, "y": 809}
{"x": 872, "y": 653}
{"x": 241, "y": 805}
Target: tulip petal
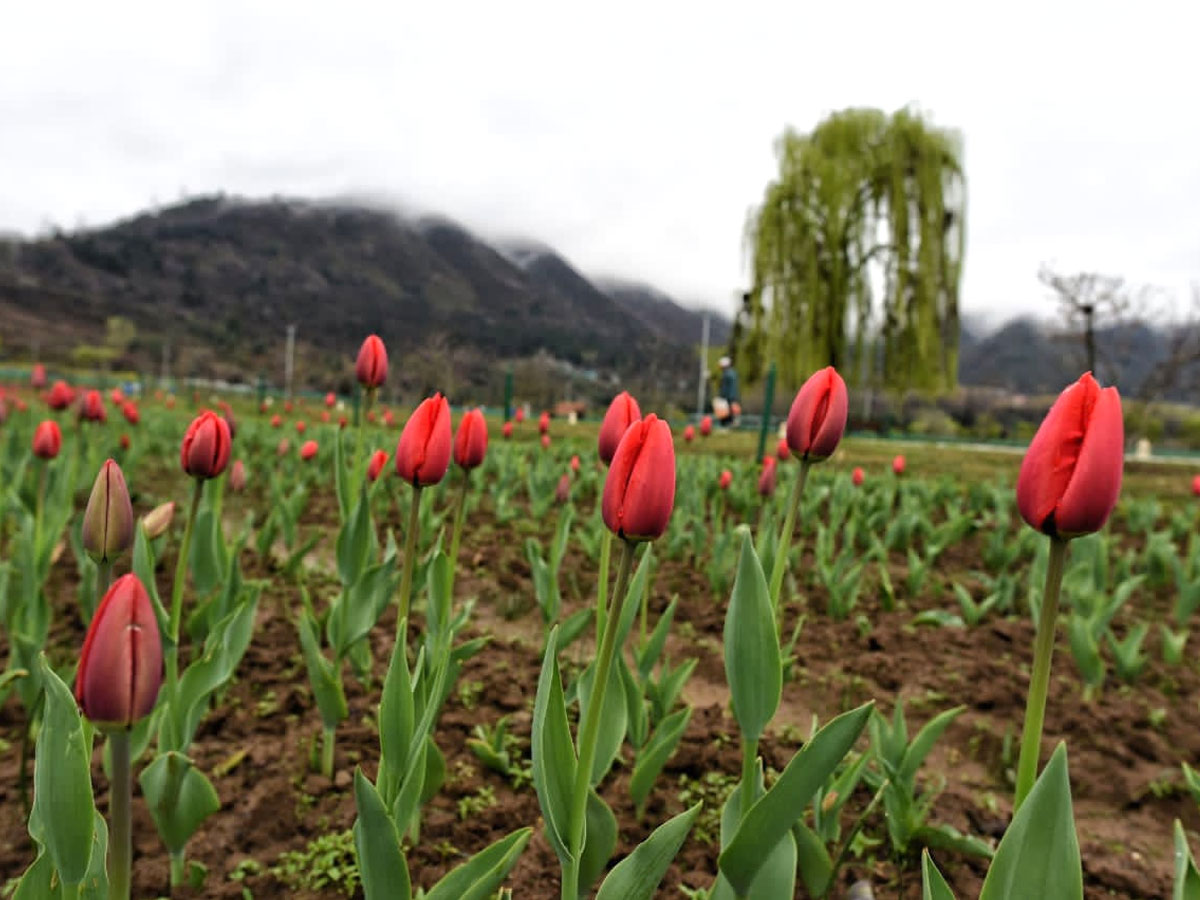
{"x": 1095, "y": 482}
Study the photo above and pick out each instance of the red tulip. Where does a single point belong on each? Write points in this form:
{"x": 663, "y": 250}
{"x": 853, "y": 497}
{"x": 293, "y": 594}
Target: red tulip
{"x": 782, "y": 451}
{"x": 287, "y": 406}
{"x": 37, "y": 377}
{"x": 92, "y": 409}
{"x": 562, "y": 493}
{"x": 725, "y": 480}
{"x": 3, "y": 409}
{"x": 342, "y": 422}
{"x": 47, "y": 440}
{"x": 506, "y": 430}
{"x": 282, "y": 448}
{"x": 117, "y": 396}
{"x": 371, "y": 417}
{"x": 131, "y": 413}
{"x": 544, "y": 423}
{"x": 372, "y": 364}
{"x": 575, "y": 463}
{"x": 1196, "y": 486}
{"x": 107, "y": 529}
{"x": 276, "y": 421}
{"x": 237, "y": 476}
{"x": 262, "y": 407}
{"x": 857, "y": 476}
{"x": 519, "y": 414}
{"x": 767, "y": 478}
{"x": 545, "y": 442}
{"x": 375, "y": 467}
{"x": 899, "y": 464}
{"x": 423, "y": 454}
{"x": 300, "y": 426}
{"x": 22, "y": 406}
{"x": 125, "y": 442}
{"x": 61, "y": 396}
{"x": 817, "y": 418}
{"x": 470, "y": 443}
{"x": 689, "y": 433}
{"x": 330, "y": 399}
{"x": 308, "y": 450}
{"x": 622, "y": 412}
{"x": 706, "y": 426}
{"x": 389, "y": 419}
{"x": 170, "y": 401}
{"x": 121, "y": 666}
{"x": 1071, "y": 474}
{"x": 640, "y": 489}
{"x": 204, "y": 452}
{"x": 325, "y": 417}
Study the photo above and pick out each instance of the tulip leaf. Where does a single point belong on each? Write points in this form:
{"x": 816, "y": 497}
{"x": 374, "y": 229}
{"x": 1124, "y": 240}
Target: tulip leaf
{"x": 613, "y": 718}
{"x": 752, "y": 662}
{"x": 397, "y": 718}
{"x": 933, "y": 885}
{"x": 206, "y": 552}
{"x": 662, "y": 744}
{"x": 381, "y": 864}
{"x": 408, "y": 799}
{"x": 143, "y": 568}
{"x": 324, "y": 678}
{"x": 599, "y": 842}
{"x": 353, "y": 542}
{"x": 636, "y": 877}
{"x": 179, "y": 796}
{"x": 776, "y": 875}
{"x": 1187, "y": 878}
{"x": 62, "y": 782}
{"x": 480, "y": 876}
{"x": 812, "y": 860}
{"x": 553, "y": 752}
{"x": 772, "y": 816}
{"x": 1039, "y": 853}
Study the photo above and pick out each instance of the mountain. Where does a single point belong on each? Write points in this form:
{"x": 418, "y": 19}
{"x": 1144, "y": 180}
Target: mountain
{"x": 657, "y": 311}
{"x": 220, "y": 279}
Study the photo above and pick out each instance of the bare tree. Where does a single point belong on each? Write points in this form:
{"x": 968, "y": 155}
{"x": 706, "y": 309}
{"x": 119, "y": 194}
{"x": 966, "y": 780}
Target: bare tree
{"x": 1179, "y": 367}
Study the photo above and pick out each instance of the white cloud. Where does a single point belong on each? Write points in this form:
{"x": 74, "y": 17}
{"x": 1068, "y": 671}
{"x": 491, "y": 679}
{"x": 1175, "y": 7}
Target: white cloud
{"x": 632, "y": 136}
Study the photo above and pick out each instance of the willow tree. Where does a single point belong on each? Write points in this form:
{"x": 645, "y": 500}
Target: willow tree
{"x": 866, "y": 204}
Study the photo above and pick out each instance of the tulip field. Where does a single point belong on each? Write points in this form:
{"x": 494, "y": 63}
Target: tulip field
{"x": 321, "y": 648}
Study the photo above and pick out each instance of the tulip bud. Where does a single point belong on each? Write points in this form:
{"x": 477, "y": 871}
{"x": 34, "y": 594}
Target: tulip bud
{"x": 1196, "y": 486}
{"x": 3, "y": 411}
{"x": 639, "y": 492}
{"x": 545, "y": 442}
{"x": 262, "y": 407}
{"x": 423, "y": 454}
{"x": 308, "y": 450}
{"x": 342, "y": 422}
{"x": 325, "y": 417}
{"x": 22, "y": 406}
{"x": 1071, "y": 475}
{"x": 767, "y": 479}
{"x": 519, "y": 414}
{"x": 237, "y": 476}
{"x": 131, "y": 413}
{"x": 544, "y": 423}
{"x": 506, "y": 430}
{"x": 125, "y": 442}
{"x": 47, "y": 440}
{"x": 37, "y": 377}
{"x": 276, "y": 420}
{"x": 575, "y": 463}
{"x": 301, "y": 427}
{"x": 92, "y": 409}
{"x": 857, "y": 476}
{"x": 287, "y": 406}
{"x": 706, "y": 426}
{"x": 899, "y": 464}
{"x": 372, "y": 364}
{"x": 156, "y": 522}
{"x": 371, "y": 417}
{"x": 782, "y": 451}
{"x": 375, "y": 467}
{"x": 170, "y": 401}
{"x": 117, "y": 396}
{"x": 622, "y": 412}
{"x": 121, "y": 666}
{"x": 330, "y": 399}
{"x": 61, "y": 396}
{"x": 725, "y": 480}
{"x": 204, "y": 452}
{"x": 689, "y": 433}
{"x": 817, "y": 418}
{"x": 562, "y": 493}
{"x": 283, "y": 447}
{"x": 389, "y": 419}
{"x": 108, "y": 519}
{"x": 470, "y": 443}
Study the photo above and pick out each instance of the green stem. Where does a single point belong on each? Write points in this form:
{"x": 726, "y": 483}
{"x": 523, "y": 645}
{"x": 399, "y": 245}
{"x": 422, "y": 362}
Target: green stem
{"x": 1039, "y": 682}
{"x": 460, "y": 516}
{"x": 602, "y": 582}
{"x": 41, "y": 505}
{"x": 120, "y": 844}
{"x": 171, "y": 656}
{"x": 360, "y": 472}
{"x": 410, "y": 553}
{"x": 69, "y": 891}
{"x": 327, "y": 738}
{"x": 785, "y": 535}
{"x": 178, "y": 870}
{"x": 104, "y": 576}
{"x": 591, "y": 726}
{"x": 749, "y": 773}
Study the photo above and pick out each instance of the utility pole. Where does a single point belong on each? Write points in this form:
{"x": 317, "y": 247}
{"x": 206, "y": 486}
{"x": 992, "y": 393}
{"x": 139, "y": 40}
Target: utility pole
{"x": 703, "y": 365}
{"x": 289, "y": 361}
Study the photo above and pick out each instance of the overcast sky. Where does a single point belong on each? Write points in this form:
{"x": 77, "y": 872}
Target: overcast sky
{"x": 633, "y": 137}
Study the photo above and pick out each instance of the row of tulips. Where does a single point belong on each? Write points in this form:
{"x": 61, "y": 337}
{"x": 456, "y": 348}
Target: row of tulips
{"x": 1068, "y": 486}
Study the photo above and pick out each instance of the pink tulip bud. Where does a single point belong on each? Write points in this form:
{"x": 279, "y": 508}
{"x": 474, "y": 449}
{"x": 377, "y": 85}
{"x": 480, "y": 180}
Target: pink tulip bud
{"x": 108, "y": 520}
{"x": 156, "y": 522}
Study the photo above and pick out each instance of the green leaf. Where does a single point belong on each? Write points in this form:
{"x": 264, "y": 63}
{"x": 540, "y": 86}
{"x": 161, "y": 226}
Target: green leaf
{"x": 62, "y": 782}
{"x": 933, "y": 885}
{"x": 812, "y": 859}
{"x": 553, "y": 752}
{"x": 613, "y": 719}
{"x": 752, "y": 664}
{"x": 650, "y": 762}
{"x": 354, "y": 542}
{"x": 1039, "y": 853}
{"x": 324, "y": 678}
{"x": 947, "y": 837}
{"x": 916, "y": 752}
{"x": 636, "y": 877}
{"x": 408, "y": 800}
{"x": 768, "y": 820}
{"x": 776, "y": 875}
{"x": 600, "y": 839}
{"x": 649, "y": 655}
{"x": 397, "y": 716}
{"x": 1187, "y": 879}
{"x": 480, "y": 876}
{"x": 179, "y": 797}
{"x": 381, "y": 865}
